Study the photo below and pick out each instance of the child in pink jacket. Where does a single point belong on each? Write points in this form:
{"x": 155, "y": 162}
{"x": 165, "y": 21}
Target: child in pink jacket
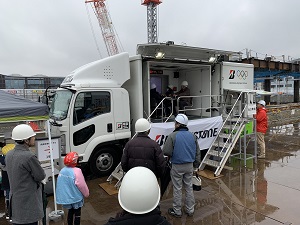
{"x": 71, "y": 188}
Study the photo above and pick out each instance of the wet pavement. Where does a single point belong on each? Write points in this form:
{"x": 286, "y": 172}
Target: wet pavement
{"x": 265, "y": 193}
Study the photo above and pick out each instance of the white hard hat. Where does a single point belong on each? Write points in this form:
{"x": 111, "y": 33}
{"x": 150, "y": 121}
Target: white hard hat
{"x": 153, "y": 86}
{"x": 139, "y": 192}
{"x": 22, "y": 132}
{"x": 182, "y": 119}
{"x": 184, "y": 83}
{"x": 171, "y": 86}
{"x": 142, "y": 125}
{"x": 262, "y": 102}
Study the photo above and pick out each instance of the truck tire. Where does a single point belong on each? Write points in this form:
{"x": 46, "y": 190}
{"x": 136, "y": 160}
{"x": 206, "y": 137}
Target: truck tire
{"x": 104, "y": 161}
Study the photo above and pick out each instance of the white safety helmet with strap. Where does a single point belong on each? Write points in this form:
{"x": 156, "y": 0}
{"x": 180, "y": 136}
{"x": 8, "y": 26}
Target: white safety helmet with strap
{"x": 170, "y": 86}
{"x": 142, "y": 125}
{"x": 182, "y": 119}
{"x": 22, "y": 132}
{"x": 139, "y": 192}
{"x": 262, "y": 102}
{"x": 153, "y": 86}
{"x": 184, "y": 83}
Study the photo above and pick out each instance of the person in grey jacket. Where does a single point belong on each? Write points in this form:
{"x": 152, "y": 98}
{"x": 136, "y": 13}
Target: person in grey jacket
{"x": 184, "y": 152}
{"x": 25, "y": 175}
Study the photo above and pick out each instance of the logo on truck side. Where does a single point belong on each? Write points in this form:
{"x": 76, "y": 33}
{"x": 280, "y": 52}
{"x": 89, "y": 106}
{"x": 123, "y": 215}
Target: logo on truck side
{"x": 241, "y": 74}
{"x": 122, "y": 125}
{"x": 231, "y": 74}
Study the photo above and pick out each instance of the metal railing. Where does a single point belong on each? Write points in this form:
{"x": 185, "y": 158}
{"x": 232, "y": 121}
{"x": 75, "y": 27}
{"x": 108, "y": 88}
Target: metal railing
{"x": 215, "y": 103}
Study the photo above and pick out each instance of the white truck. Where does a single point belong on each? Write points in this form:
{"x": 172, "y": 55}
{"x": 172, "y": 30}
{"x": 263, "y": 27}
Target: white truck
{"x": 96, "y": 106}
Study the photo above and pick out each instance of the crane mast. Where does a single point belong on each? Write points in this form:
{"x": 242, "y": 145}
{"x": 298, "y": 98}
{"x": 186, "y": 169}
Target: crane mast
{"x": 105, "y": 25}
{"x": 152, "y": 19}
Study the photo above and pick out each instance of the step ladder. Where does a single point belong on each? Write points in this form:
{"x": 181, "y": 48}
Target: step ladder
{"x": 220, "y": 150}
{"x": 118, "y": 174}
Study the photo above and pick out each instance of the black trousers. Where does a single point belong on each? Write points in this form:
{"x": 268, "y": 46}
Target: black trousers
{"x": 74, "y": 216}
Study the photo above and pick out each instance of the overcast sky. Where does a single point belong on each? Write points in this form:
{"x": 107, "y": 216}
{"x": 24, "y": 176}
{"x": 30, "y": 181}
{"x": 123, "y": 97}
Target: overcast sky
{"x": 55, "y": 37}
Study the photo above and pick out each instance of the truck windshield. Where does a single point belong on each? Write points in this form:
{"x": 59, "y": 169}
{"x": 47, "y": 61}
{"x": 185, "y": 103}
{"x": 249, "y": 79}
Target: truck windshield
{"x": 60, "y": 104}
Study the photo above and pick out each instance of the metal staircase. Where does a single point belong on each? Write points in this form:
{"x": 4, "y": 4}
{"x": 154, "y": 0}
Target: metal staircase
{"x": 227, "y": 137}
{"x": 118, "y": 174}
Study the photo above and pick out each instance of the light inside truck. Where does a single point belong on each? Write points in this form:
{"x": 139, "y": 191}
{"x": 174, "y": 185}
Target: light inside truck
{"x": 212, "y": 59}
{"x": 159, "y": 54}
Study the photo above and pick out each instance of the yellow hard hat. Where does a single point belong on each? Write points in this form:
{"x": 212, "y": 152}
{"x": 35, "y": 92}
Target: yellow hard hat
{"x": 7, "y": 148}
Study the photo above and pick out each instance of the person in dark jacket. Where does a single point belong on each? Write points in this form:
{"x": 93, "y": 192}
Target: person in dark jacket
{"x": 155, "y": 99}
{"x": 25, "y": 176}
{"x": 5, "y": 180}
{"x": 184, "y": 91}
{"x": 139, "y": 197}
{"x": 169, "y": 102}
{"x": 143, "y": 151}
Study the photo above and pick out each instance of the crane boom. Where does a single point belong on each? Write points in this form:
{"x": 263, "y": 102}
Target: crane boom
{"x": 105, "y": 25}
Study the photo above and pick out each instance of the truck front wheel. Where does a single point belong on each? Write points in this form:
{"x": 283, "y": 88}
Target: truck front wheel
{"x": 104, "y": 161}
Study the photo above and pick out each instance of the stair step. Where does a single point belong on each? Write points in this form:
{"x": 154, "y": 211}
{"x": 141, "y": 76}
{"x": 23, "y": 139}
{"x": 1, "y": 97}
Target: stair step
{"x": 235, "y": 119}
{"x": 227, "y": 126}
{"x": 220, "y": 144}
{"x": 216, "y": 153}
{"x": 118, "y": 175}
{"x": 211, "y": 163}
{"x": 224, "y": 135}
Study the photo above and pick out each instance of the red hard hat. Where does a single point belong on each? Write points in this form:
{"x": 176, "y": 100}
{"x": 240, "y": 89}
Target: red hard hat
{"x": 71, "y": 159}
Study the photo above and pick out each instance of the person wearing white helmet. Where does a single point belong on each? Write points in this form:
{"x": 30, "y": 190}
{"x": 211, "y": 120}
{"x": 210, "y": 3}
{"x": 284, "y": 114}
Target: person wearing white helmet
{"x": 261, "y": 127}
{"x": 139, "y": 197}
{"x": 184, "y": 91}
{"x": 184, "y": 152}
{"x": 25, "y": 176}
{"x": 168, "y": 103}
{"x": 143, "y": 151}
{"x": 155, "y": 98}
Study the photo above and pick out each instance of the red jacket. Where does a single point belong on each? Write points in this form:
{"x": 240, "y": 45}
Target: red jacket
{"x": 261, "y": 120}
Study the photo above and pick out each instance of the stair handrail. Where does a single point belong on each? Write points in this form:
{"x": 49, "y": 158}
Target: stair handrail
{"x": 228, "y": 116}
{"x": 161, "y": 103}
{"x": 239, "y": 119}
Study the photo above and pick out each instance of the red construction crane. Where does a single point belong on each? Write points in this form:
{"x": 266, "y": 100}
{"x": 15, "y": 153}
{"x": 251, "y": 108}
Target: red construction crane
{"x": 152, "y": 19}
{"x": 105, "y": 25}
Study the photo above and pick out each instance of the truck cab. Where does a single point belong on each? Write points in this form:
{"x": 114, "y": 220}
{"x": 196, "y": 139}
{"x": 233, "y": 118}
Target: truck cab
{"x": 91, "y": 113}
